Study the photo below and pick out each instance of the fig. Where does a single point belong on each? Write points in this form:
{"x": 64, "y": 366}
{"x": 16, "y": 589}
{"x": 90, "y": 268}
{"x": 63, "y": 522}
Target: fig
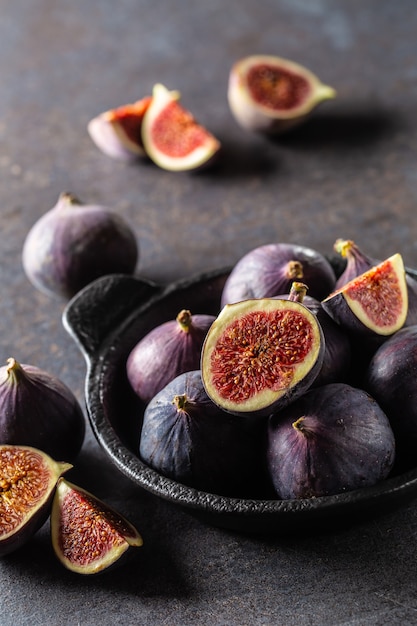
{"x": 37, "y": 409}
{"x": 269, "y": 94}
{"x": 335, "y": 438}
{"x": 118, "y": 132}
{"x": 28, "y": 479}
{"x": 87, "y": 535}
{"x": 166, "y": 351}
{"x": 337, "y": 346}
{"x": 261, "y": 354}
{"x": 74, "y": 243}
{"x": 391, "y": 380}
{"x": 187, "y": 438}
{"x": 357, "y": 262}
{"x": 270, "y": 270}
{"x": 374, "y": 303}
{"x": 172, "y": 137}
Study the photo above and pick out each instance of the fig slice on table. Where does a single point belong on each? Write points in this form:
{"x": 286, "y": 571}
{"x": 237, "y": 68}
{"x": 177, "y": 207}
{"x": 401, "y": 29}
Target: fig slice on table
{"x": 28, "y": 478}
{"x": 269, "y": 94}
{"x": 261, "y": 354}
{"x": 172, "y": 137}
{"x": 375, "y": 302}
{"x": 118, "y": 132}
{"x": 87, "y": 535}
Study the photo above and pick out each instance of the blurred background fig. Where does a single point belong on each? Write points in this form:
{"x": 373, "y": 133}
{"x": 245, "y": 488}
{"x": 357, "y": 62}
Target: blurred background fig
{"x": 28, "y": 478}
{"x": 172, "y": 138}
{"x": 269, "y": 94}
{"x": 270, "y": 270}
{"x": 118, "y": 132}
{"x": 87, "y": 535}
{"x": 37, "y": 409}
{"x": 391, "y": 380}
{"x": 260, "y": 354}
{"x": 335, "y": 438}
{"x": 74, "y": 243}
{"x": 186, "y": 437}
{"x": 166, "y": 351}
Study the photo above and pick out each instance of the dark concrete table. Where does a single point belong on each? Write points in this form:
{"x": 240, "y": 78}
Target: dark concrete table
{"x": 350, "y": 172}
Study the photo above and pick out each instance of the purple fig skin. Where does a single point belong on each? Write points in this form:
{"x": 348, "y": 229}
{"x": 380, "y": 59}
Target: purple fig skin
{"x": 165, "y": 352}
{"x": 335, "y": 438}
{"x": 39, "y": 410}
{"x": 74, "y": 243}
{"x": 269, "y": 270}
{"x": 186, "y": 437}
{"x": 391, "y": 380}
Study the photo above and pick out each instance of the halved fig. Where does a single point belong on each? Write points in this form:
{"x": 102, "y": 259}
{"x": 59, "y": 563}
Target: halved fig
{"x": 87, "y": 535}
{"x": 375, "y": 302}
{"x": 28, "y": 478}
{"x": 259, "y": 355}
{"x": 171, "y": 136}
{"x": 118, "y": 132}
{"x": 270, "y": 94}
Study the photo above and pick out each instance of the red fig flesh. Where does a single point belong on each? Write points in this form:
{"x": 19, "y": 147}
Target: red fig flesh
{"x": 376, "y": 302}
{"x": 261, "y": 354}
{"x": 27, "y": 483}
{"x": 171, "y": 136}
{"x": 270, "y": 94}
{"x": 87, "y": 535}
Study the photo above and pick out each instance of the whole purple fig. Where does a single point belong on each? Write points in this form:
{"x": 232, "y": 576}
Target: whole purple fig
{"x": 37, "y": 409}
{"x": 269, "y": 270}
{"x": 186, "y": 437}
{"x": 166, "y": 351}
{"x": 391, "y": 380}
{"x": 335, "y": 438}
{"x": 74, "y": 243}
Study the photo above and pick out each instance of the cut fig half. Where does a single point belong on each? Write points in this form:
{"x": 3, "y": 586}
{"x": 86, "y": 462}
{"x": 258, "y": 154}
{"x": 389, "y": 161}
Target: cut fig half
{"x": 88, "y": 536}
{"x": 269, "y": 94}
{"x": 259, "y": 355}
{"x": 171, "y": 136}
{"x": 375, "y": 302}
{"x": 118, "y": 132}
{"x": 28, "y": 478}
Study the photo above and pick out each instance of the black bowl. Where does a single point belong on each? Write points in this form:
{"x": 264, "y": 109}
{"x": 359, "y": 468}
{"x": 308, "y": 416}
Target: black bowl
{"x": 106, "y": 319}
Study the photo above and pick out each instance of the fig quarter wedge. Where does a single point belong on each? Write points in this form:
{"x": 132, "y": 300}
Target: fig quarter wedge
{"x": 260, "y": 354}
{"x": 375, "y": 302}
{"x": 87, "y": 535}
{"x": 28, "y": 478}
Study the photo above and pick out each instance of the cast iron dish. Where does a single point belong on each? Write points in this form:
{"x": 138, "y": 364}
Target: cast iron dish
{"x": 106, "y": 319}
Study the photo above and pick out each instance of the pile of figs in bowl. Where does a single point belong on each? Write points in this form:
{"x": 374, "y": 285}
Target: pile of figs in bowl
{"x": 275, "y": 394}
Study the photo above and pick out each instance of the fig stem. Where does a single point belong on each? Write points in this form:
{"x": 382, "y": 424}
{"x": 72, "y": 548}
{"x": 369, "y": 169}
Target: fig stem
{"x": 301, "y": 428}
{"x": 343, "y": 246}
{"x": 297, "y": 292}
{"x": 66, "y": 198}
{"x": 14, "y": 369}
{"x": 184, "y": 320}
{"x": 180, "y": 401}
{"x": 295, "y": 270}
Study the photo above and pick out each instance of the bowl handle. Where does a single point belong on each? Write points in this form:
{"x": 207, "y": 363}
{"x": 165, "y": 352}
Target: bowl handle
{"x": 98, "y": 308}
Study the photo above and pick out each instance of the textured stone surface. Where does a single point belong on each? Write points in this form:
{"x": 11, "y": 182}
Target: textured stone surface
{"x": 350, "y": 172}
